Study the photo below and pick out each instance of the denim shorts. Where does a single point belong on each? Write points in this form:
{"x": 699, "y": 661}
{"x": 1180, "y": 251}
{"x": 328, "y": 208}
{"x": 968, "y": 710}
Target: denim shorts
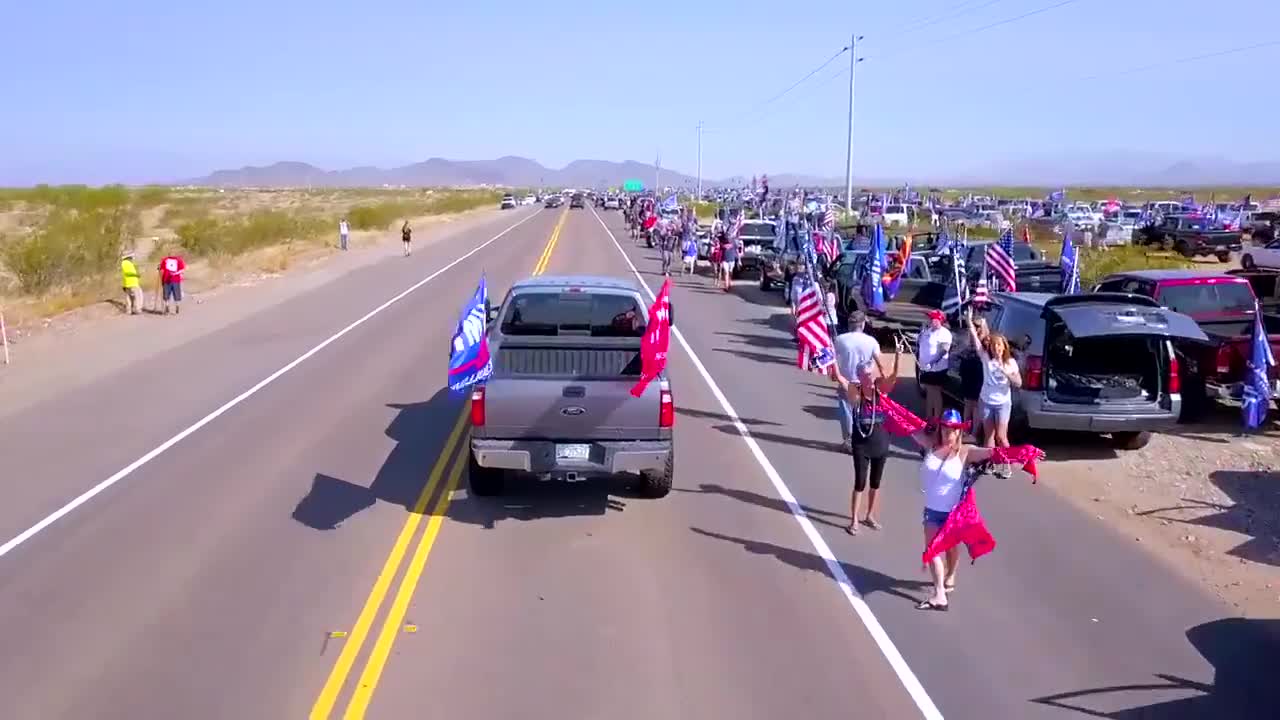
{"x": 934, "y": 517}
{"x": 844, "y": 413}
{"x": 173, "y": 291}
{"x": 993, "y": 415}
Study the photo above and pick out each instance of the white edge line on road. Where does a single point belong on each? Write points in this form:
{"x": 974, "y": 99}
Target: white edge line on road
{"x": 89, "y": 494}
{"x": 890, "y": 651}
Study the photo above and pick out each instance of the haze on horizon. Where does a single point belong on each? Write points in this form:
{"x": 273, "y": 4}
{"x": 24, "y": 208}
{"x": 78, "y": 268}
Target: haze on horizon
{"x": 143, "y": 91}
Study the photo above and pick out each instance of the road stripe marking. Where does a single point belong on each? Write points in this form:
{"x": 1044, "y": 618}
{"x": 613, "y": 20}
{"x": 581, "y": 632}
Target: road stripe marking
{"x": 890, "y": 651}
{"x": 377, "y": 660}
{"x": 545, "y": 259}
{"x": 92, "y": 492}
{"x": 391, "y": 626}
{"x": 342, "y": 667}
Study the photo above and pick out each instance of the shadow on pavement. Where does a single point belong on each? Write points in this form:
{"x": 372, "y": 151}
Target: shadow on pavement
{"x": 778, "y": 322}
{"x": 865, "y": 580}
{"x": 762, "y": 436}
{"x": 1254, "y": 511}
{"x": 420, "y": 430}
{"x": 771, "y": 342}
{"x": 771, "y": 503}
{"x": 757, "y": 356}
{"x": 527, "y": 498}
{"x": 1242, "y": 652}
{"x": 708, "y": 415}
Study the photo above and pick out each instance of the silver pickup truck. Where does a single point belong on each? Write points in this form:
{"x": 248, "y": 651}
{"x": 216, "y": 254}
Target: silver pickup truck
{"x": 566, "y": 353}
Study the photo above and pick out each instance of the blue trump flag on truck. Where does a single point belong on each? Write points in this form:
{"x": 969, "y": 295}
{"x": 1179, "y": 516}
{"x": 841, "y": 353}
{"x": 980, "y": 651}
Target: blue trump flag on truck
{"x": 1257, "y": 391}
{"x": 469, "y": 361}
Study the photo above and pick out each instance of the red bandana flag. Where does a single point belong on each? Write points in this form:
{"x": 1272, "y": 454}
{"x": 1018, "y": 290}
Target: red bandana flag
{"x": 657, "y": 336}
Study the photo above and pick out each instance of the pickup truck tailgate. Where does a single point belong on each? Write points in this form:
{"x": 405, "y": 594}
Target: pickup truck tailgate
{"x": 569, "y": 394}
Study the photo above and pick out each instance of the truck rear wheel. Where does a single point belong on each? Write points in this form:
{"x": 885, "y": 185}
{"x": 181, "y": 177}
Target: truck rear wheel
{"x": 657, "y": 483}
{"x": 483, "y": 481}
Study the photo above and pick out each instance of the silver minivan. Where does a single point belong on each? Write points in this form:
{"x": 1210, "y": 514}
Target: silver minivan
{"x": 1091, "y": 362}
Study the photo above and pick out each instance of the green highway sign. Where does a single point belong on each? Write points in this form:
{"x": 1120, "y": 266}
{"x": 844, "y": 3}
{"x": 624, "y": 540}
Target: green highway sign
{"x": 632, "y": 186}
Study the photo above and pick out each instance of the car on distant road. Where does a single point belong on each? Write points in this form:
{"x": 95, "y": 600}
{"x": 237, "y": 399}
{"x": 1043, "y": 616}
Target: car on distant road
{"x": 508, "y": 202}
{"x": 578, "y": 201}
{"x": 553, "y": 201}
{"x": 612, "y": 203}
{"x": 558, "y": 406}
{"x": 529, "y": 200}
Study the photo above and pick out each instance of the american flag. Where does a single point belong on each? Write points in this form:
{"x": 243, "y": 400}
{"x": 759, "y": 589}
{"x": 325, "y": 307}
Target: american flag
{"x": 829, "y": 218}
{"x": 980, "y": 294}
{"x": 816, "y": 350}
{"x": 827, "y": 244}
{"x": 1000, "y": 261}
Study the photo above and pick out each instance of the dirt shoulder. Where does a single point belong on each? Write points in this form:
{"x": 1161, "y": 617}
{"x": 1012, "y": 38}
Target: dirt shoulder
{"x": 1203, "y": 500}
{"x": 85, "y": 344}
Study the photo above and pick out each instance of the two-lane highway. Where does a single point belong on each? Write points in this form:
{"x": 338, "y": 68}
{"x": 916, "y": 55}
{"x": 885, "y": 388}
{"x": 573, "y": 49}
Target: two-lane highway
{"x": 308, "y": 546}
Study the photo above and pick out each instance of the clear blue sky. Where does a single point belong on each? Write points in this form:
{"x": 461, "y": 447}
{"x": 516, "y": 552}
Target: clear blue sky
{"x": 141, "y": 90}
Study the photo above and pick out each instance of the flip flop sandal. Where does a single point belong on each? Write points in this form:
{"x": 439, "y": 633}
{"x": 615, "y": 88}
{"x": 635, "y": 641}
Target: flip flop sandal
{"x": 949, "y": 588}
{"x": 874, "y": 524}
{"x": 851, "y": 528}
{"x": 931, "y": 605}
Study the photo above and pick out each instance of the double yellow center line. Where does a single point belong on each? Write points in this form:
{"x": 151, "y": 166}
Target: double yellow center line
{"x": 392, "y": 624}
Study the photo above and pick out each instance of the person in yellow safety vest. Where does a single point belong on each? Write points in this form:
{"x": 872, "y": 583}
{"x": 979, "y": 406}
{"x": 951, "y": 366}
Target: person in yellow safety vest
{"x": 131, "y": 283}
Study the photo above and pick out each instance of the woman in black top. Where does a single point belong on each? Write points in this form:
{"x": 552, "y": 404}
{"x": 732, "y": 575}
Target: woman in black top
{"x": 868, "y": 441}
{"x": 971, "y": 378}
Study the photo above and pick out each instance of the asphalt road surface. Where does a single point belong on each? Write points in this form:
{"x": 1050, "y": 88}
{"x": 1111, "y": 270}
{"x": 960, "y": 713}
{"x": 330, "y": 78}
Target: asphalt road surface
{"x": 272, "y": 522}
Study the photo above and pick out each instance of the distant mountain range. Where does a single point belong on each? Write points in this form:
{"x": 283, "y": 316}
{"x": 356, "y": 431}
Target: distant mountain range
{"x": 1116, "y": 168}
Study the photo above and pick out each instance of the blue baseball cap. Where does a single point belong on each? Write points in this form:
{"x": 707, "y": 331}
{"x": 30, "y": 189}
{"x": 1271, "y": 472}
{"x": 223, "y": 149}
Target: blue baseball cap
{"x": 951, "y": 419}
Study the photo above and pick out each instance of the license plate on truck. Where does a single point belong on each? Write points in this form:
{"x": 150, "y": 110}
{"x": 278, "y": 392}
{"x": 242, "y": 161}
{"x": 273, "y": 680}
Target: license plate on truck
{"x": 573, "y": 452}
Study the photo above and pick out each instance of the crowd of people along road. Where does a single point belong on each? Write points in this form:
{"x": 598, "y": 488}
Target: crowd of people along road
{"x": 946, "y": 471}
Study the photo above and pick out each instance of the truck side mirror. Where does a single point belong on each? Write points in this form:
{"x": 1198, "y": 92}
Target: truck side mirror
{"x": 490, "y": 312}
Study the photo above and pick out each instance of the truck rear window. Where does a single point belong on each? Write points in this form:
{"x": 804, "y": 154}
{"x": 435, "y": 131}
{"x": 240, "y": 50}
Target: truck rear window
{"x": 548, "y": 314}
{"x": 1207, "y": 298}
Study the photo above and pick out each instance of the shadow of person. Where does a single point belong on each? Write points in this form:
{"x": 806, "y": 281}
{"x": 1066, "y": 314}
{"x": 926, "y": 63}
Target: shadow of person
{"x": 420, "y": 431}
{"x": 1242, "y": 652}
{"x": 865, "y": 580}
{"x": 526, "y": 498}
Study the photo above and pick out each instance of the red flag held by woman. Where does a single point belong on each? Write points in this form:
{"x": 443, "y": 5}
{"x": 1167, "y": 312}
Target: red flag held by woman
{"x": 657, "y": 336}
{"x": 963, "y": 525}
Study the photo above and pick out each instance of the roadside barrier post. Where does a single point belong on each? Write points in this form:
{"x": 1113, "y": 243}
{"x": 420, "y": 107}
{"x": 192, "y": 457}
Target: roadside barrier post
{"x": 4, "y": 338}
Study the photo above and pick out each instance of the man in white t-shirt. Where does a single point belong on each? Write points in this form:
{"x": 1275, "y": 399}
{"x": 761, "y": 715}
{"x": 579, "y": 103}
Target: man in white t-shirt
{"x": 344, "y": 230}
{"x": 932, "y": 359}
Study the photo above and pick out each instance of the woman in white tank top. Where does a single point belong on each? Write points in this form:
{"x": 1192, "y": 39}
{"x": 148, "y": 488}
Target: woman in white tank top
{"x": 942, "y": 483}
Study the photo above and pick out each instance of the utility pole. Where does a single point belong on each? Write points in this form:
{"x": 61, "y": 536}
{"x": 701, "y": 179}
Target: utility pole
{"x": 848, "y": 170}
{"x": 657, "y": 172}
{"x": 699, "y": 196}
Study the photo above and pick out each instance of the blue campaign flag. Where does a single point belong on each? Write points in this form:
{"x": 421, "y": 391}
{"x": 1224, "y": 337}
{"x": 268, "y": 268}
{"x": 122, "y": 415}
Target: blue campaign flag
{"x": 1257, "y": 390}
{"x": 670, "y": 203}
{"x": 469, "y": 361}
{"x": 873, "y": 281}
{"x": 1069, "y": 264}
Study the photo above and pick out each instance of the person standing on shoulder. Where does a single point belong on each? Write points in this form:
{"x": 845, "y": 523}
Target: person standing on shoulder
{"x": 171, "y": 267}
{"x": 728, "y": 259}
{"x": 406, "y": 236}
{"x": 1000, "y": 377}
{"x": 343, "y": 231}
{"x": 131, "y": 283}
{"x": 859, "y": 371}
{"x": 933, "y": 358}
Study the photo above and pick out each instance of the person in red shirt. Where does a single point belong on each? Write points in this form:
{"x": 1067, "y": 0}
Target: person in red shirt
{"x": 171, "y": 267}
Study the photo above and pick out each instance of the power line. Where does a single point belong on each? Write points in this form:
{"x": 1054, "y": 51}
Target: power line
{"x": 988, "y": 26}
{"x": 794, "y": 85}
{"x": 953, "y": 15}
{"x": 1179, "y": 61}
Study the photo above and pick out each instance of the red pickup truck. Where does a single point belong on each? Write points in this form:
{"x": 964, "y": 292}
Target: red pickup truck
{"x": 1224, "y": 306}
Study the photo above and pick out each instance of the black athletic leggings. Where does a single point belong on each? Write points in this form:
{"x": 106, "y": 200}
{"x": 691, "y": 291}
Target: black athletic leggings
{"x": 866, "y": 468}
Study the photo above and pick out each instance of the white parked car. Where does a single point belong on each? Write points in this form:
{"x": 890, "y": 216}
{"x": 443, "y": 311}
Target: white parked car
{"x": 1266, "y": 256}
{"x": 508, "y": 202}
{"x": 1118, "y": 229}
{"x": 896, "y": 214}
{"x": 529, "y": 200}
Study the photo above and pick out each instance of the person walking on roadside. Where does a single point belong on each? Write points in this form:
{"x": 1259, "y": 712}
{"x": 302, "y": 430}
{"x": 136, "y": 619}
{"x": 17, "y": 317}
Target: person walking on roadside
{"x": 971, "y": 378}
{"x": 728, "y": 259}
{"x": 171, "y": 267}
{"x": 343, "y": 231}
{"x": 1000, "y": 377}
{"x": 406, "y": 237}
{"x": 943, "y": 483}
{"x": 860, "y": 374}
{"x": 933, "y": 358}
{"x": 131, "y": 283}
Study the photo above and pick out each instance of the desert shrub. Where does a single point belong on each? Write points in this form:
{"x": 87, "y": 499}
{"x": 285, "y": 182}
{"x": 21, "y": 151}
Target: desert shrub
{"x": 72, "y": 245}
{"x": 209, "y": 237}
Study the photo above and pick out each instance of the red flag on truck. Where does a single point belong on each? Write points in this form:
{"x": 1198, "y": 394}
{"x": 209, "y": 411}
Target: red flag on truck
{"x": 657, "y": 336}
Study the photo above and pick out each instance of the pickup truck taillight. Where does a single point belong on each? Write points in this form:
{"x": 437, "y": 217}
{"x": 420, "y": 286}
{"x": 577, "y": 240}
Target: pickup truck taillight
{"x": 477, "y": 406}
{"x": 1223, "y": 359}
{"x": 666, "y": 409}
{"x": 1033, "y": 378}
{"x": 1175, "y": 382}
